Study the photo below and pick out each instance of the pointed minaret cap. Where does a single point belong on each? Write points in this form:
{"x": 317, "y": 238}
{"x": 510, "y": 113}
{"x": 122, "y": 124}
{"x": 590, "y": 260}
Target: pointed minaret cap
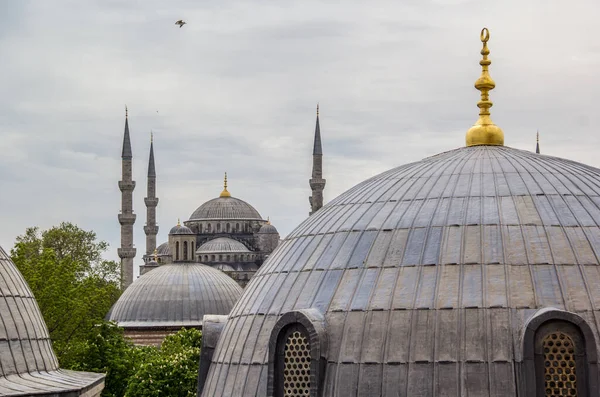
{"x": 317, "y": 149}
{"x": 225, "y": 193}
{"x": 537, "y": 143}
{"x": 151, "y": 167}
{"x": 126, "y": 153}
{"x": 485, "y": 132}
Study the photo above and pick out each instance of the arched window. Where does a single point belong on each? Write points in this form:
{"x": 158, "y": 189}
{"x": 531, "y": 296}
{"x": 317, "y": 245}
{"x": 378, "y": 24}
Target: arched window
{"x": 559, "y": 354}
{"x": 212, "y": 258}
{"x": 220, "y": 257}
{"x": 235, "y": 258}
{"x": 185, "y": 251}
{"x": 200, "y": 228}
{"x": 218, "y": 227}
{"x": 177, "y": 250}
{"x": 228, "y": 258}
{"x": 228, "y": 228}
{"x": 237, "y": 227}
{"x": 192, "y": 251}
{"x": 292, "y": 362}
{"x": 209, "y": 228}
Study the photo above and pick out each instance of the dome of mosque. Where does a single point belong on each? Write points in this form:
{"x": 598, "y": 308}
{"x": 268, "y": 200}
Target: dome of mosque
{"x": 179, "y": 229}
{"x": 267, "y": 228}
{"x": 175, "y": 295}
{"x": 472, "y": 272}
{"x": 225, "y": 208}
{"x": 163, "y": 249}
{"x": 28, "y": 365}
{"x": 222, "y": 245}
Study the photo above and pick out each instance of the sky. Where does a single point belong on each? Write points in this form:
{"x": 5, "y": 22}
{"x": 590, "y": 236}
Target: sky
{"x": 236, "y": 88}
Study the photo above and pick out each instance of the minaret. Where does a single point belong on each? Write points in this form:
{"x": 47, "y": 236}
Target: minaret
{"x": 151, "y": 229}
{"x": 126, "y": 217}
{"x": 317, "y": 183}
{"x": 537, "y": 143}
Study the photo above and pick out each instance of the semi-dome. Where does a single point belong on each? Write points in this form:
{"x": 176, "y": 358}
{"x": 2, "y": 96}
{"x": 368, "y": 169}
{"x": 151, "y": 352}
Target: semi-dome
{"x": 175, "y": 295}
{"x": 222, "y": 245}
{"x": 163, "y": 249}
{"x": 28, "y": 364}
{"x": 225, "y": 208}
{"x": 427, "y": 277}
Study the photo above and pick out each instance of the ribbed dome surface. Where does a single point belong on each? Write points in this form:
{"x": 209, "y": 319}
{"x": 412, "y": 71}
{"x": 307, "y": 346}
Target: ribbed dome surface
{"x": 426, "y": 274}
{"x": 175, "y": 295}
{"x": 179, "y": 229}
{"x": 267, "y": 228}
{"x": 163, "y": 249}
{"x": 28, "y": 364}
{"x": 222, "y": 245}
{"x": 223, "y": 208}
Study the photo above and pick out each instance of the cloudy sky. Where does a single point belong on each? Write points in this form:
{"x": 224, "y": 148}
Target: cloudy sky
{"x": 235, "y": 90}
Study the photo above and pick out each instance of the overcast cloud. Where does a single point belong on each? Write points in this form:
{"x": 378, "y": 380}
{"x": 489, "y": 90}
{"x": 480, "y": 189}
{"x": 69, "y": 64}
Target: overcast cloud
{"x": 235, "y": 90}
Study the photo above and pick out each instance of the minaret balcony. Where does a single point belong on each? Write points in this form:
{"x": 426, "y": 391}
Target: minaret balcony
{"x": 317, "y": 183}
{"x": 126, "y": 186}
{"x": 127, "y": 219}
{"x": 151, "y": 230}
{"x": 151, "y": 201}
{"x": 126, "y": 252}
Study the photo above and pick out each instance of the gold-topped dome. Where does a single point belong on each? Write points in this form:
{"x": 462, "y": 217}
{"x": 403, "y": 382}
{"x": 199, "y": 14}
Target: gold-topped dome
{"x": 225, "y": 193}
{"x": 485, "y": 132}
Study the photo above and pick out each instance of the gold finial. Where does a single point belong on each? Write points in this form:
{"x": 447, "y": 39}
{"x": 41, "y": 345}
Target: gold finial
{"x": 225, "y": 193}
{"x": 126, "y": 113}
{"x": 485, "y": 132}
{"x": 268, "y": 220}
{"x": 537, "y": 138}
{"x": 178, "y": 222}
{"x": 151, "y": 136}
{"x": 155, "y": 255}
{"x": 317, "y": 108}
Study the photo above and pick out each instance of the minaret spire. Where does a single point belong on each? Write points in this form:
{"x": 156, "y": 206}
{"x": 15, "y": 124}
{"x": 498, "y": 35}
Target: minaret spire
{"x": 151, "y": 228}
{"x": 317, "y": 183}
{"x": 537, "y": 143}
{"x": 126, "y": 217}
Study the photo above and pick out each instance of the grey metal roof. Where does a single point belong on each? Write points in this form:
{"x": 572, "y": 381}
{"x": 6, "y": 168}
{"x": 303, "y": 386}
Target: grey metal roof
{"x": 267, "y": 228}
{"x": 425, "y": 275}
{"x": 28, "y": 365}
{"x": 175, "y": 294}
{"x": 163, "y": 249}
{"x": 180, "y": 229}
{"x": 222, "y": 245}
{"x": 224, "y": 208}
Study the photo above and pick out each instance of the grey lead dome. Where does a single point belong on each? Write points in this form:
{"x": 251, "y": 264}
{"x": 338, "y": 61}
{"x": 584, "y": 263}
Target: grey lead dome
{"x": 224, "y": 208}
{"x": 427, "y": 276}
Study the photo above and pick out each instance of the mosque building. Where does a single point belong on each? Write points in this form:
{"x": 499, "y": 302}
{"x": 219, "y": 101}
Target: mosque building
{"x": 473, "y": 272}
{"x": 206, "y": 261}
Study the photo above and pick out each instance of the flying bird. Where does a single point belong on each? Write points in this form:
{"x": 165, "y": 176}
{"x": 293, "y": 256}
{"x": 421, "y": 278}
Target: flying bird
{"x": 181, "y": 22}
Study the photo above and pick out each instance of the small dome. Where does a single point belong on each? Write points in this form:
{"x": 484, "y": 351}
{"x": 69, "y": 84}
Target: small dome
{"x": 163, "y": 249}
{"x": 223, "y": 208}
{"x": 175, "y": 295}
{"x": 267, "y": 228}
{"x": 222, "y": 245}
{"x": 178, "y": 229}
{"x": 29, "y": 366}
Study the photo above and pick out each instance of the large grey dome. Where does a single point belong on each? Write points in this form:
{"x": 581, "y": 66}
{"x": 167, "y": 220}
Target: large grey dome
{"x": 224, "y": 208}
{"x": 429, "y": 278}
{"x": 175, "y": 295}
{"x": 222, "y": 245}
{"x": 28, "y": 365}
{"x": 179, "y": 229}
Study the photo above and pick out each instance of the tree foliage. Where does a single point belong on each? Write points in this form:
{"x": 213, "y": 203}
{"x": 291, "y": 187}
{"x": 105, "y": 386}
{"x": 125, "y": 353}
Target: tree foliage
{"x": 173, "y": 371}
{"x": 74, "y": 287}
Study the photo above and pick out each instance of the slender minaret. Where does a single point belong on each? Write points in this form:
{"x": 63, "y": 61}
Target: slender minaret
{"x": 537, "y": 143}
{"x": 317, "y": 183}
{"x": 126, "y": 217}
{"x": 151, "y": 229}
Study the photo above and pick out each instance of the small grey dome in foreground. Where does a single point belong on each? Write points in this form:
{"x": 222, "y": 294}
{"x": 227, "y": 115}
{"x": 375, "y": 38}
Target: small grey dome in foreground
{"x": 225, "y": 208}
{"x": 267, "y": 228}
{"x": 163, "y": 249}
{"x": 28, "y": 365}
{"x": 222, "y": 245}
{"x": 427, "y": 276}
{"x": 175, "y": 295}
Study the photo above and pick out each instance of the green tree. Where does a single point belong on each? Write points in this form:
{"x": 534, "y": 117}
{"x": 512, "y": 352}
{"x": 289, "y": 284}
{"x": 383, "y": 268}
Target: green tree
{"x": 173, "y": 371}
{"x": 107, "y": 351}
{"x": 73, "y": 285}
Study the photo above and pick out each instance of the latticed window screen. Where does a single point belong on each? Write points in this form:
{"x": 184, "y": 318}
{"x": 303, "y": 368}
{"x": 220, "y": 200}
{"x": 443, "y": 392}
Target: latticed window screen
{"x": 560, "y": 377}
{"x": 296, "y": 364}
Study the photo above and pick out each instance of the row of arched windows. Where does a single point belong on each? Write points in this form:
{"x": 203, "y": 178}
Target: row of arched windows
{"x": 227, "y": 258}
{"x": 185, "y": 251}
{"x": 224, "y": 227}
